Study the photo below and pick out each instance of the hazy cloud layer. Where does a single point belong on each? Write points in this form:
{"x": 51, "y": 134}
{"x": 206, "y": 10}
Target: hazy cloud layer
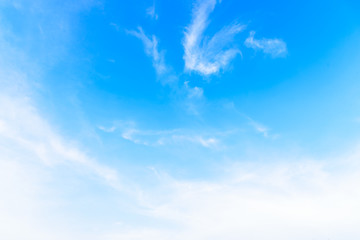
{"x": 256, "y": 202}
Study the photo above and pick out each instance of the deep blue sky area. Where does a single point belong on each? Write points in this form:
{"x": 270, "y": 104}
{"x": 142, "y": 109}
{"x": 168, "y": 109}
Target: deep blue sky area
{"x": 113, "y": 72}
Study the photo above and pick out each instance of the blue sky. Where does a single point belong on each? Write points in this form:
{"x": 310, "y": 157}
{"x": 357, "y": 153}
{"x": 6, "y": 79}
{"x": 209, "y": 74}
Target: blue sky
{"x": 195, "y": 119}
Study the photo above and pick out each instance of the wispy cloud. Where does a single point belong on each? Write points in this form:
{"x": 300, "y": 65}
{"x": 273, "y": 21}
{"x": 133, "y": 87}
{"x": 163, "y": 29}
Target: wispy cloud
{"x": 193, "y": 99}
{"x": 261, "y": 128}
{"x": 151, "y": 49}
{"x": 24, "y": 130}
{"x": 40, "y": 168}
{"x": 168, "y": 137}
{"x": 156, "y": 138}
{"x": 193, "y": 92}
{"x": 207, "y": 142}
{"x": 208, "y": 55}
{"x": 27, "y": 130}
{"x": 107, "y": 129}
{"x": 274, "y": 47}
{"x": 256, "y": 126}
{"x": 190, "y": 96}
{"x": 150, "y": 11}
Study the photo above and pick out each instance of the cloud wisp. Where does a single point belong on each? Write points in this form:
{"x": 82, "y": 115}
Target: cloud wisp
{"x": 157, "y": 138}
{"x": 274, "y": 47}
{"x": 170, "y": 137}
{"x": 164, "y": 72}
{"x": 193, "y": 98}
{"x": 151, "y": 12}
{"x": 151, "y": 49}
{"x": 261, "y": 129}
{"x": 26, "y": 130}
{"x": 208, "y": 55}
{"x": 190, "y": 95}
{"x": 193, "y": 92}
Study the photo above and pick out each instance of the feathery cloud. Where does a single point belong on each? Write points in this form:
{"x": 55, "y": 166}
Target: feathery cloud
{"x": 203, "y": 55}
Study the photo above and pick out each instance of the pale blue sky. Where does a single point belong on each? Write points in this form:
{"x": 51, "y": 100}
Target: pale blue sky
{"x": 195, "y": 119}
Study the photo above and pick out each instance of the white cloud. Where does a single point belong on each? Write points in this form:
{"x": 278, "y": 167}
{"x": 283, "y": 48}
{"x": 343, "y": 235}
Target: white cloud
{"x": 107, "y": 129}
{"x": 275, "y": 47}
{"x": 150, "y": 11}
{"x": 151, "y": 49}
{"x": 203, "y": 55}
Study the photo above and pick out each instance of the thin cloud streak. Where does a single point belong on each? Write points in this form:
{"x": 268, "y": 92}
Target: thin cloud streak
{"x": 151, "y": 12}
{"x": 26, "y": 129}
{"x": 151, "y": 49}
{"x": 191, "y": 95}
{"x": 274, "y": 47}
{"x": 107, "y": 129}
{"x": 170, "y": 137}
